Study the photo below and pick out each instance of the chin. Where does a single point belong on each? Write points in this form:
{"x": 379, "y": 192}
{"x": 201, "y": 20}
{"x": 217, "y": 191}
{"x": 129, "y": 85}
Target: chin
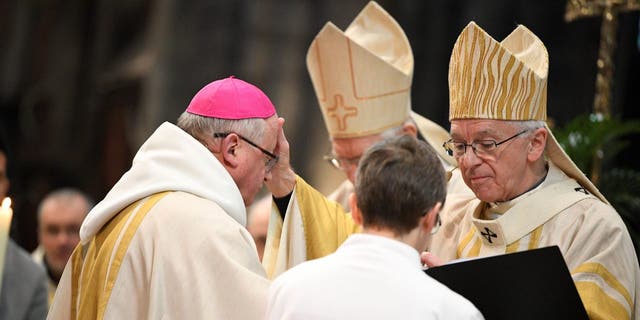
{"x": 58, "y": 266}
{"x": 485, "y": 196}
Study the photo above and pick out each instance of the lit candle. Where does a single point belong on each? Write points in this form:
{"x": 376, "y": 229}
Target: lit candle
{"x": 5, "y": 223}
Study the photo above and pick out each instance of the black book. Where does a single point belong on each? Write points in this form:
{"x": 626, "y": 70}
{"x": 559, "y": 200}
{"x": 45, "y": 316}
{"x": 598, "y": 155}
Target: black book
{"x": 533, "y": 284}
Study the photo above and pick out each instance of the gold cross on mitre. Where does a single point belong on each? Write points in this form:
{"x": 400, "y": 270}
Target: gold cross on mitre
{"x": 340, "y": 111}
{"x": 609, "y": 10}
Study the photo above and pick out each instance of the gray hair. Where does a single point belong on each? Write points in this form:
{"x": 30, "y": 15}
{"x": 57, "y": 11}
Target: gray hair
{"x": 199, "y": 126}
{"x": 529, "y": 125}
{"x": 65, "y": 195}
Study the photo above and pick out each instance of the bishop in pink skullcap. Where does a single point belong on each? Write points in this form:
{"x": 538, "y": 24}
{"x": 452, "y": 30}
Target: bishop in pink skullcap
{"x": 231, "y": 99}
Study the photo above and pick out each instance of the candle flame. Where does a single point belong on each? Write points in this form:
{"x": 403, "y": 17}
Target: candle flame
{"x": 6, "y": 203}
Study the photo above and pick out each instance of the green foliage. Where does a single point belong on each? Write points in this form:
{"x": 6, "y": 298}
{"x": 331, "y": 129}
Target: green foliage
{"x": 588, "y": 135}
{"x": 622, "y": 189}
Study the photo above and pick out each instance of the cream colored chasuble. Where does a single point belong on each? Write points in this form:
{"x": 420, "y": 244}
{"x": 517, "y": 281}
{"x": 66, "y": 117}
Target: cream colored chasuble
{"x": 167, "y": 242}
{"x": 313, "y": 227}
{"x": 495, "y": 232}
{"x": 558, "y": 212}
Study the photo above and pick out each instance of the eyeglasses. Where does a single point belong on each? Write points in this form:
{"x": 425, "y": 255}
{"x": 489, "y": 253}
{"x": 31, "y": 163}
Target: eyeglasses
{"x": 341, "y": 163}
{"x": 482, "y": 148}
{"x": 272, "y": 159}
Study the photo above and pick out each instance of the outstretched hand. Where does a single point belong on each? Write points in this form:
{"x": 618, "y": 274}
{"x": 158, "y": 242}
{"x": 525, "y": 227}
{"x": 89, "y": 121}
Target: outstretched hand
{"x": 281, "y": 179}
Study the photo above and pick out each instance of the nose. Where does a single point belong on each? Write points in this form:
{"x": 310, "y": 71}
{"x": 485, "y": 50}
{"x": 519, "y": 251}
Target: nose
{"x": 63, "y": 237}
{"x": 470, "y": 158}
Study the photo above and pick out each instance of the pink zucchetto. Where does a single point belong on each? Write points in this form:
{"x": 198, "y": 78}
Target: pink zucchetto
{"x": 231, "y": 99}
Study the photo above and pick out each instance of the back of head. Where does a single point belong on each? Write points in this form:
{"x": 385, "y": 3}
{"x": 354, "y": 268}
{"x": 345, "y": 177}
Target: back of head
{"x": 398, "y": 181}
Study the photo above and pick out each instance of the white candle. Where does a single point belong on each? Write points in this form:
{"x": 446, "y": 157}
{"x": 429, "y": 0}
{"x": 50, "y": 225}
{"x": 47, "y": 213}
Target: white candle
{"x": 5, "y": 223}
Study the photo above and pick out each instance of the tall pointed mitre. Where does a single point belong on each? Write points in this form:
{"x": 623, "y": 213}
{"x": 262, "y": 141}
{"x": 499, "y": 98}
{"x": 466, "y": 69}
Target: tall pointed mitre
{"x": 362, "y": 78}
{"x": 505, "y": 81}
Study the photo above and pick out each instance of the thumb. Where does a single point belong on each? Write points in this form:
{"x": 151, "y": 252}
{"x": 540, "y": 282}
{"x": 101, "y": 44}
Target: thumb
{"x": 429, "y": 260}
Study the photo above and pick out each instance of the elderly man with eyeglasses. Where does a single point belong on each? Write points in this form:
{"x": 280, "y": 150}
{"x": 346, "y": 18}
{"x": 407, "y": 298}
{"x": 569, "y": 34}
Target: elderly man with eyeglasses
{"x": 362, "y": 79}
{"x": 529, "y": 192}
{"x": 169, "y": 240}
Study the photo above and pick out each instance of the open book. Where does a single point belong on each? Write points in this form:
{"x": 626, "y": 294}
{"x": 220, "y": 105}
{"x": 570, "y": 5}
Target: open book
{"x": 534, "y": 284}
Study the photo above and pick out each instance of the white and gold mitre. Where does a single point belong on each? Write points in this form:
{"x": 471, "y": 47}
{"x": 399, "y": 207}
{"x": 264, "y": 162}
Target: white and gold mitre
{"x": 505, "y": 81}
{"x": 362, "y": 76}
{"x": 498, "y": 80}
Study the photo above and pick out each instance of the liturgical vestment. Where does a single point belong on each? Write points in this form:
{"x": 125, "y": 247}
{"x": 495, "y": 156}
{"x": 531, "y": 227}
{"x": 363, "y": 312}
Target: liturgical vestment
{"x": 593, "y": 239}
{"x": 591, "y": 235}
{"x": 167, "y": 242}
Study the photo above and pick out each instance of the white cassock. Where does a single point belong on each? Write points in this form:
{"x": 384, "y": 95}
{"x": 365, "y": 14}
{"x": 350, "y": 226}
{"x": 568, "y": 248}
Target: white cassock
{"x": 167, "y": 242}
{"x": 368, "y": 277}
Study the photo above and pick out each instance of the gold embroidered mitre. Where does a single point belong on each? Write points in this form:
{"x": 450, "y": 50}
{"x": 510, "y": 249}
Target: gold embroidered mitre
{"x": 362, "y": 76}
{"x": 498, "y": 80}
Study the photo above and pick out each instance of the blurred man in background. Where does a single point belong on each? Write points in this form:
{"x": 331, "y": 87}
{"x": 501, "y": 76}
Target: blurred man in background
{"x": 60, "y": 215}
{"x": 258, "y": 222}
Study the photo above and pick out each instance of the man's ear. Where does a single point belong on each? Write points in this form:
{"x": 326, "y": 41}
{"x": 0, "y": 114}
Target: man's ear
{"x": 537, "y": 144}
{"x": 229, "y": 146}
{"x": 428, "y": 222}
{"x": 355, "y": 211}
{"x": 410, "y": 129}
